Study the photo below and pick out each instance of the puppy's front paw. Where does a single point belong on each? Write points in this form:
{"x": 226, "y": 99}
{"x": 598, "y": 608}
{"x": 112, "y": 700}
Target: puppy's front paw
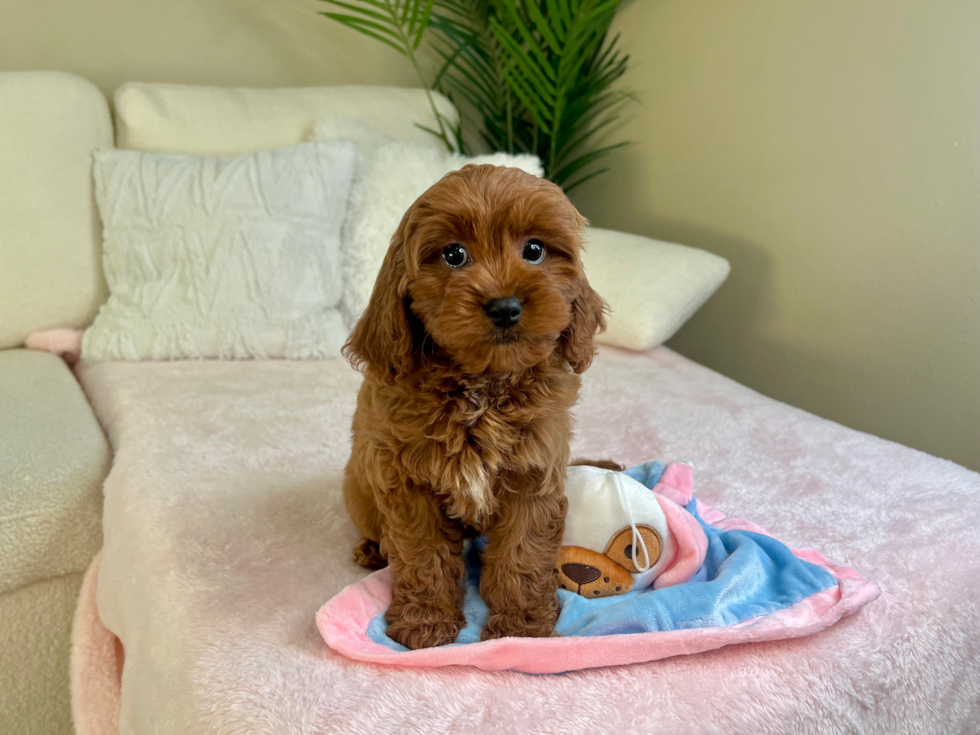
{"x": 520, "y": 624}
{"x": 425, "y": 627}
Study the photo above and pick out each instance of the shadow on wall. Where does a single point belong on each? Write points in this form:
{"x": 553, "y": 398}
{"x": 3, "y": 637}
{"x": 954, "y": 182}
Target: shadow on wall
{"x": 830, "y": 152}
{"x": 751, "y": 350}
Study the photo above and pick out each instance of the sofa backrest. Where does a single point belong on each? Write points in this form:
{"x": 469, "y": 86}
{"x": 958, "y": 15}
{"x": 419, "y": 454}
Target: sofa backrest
{"x": 221, "y": 121}
{"x": 50, "y": 122}
{"x": 50, "y": 233}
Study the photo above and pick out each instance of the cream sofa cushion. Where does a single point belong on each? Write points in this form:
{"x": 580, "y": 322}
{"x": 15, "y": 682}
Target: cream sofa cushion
{"x": 50, "y": 236}
{"x": 652, "y": 287}
{"x": 220, "y": 121}
{"x": 53, "y": 459}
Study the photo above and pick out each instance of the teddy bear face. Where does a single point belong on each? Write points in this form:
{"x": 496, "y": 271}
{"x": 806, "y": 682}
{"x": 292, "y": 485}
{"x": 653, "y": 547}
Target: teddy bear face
{"x": 595, "y": 575}
{"x": 596, "y": 558}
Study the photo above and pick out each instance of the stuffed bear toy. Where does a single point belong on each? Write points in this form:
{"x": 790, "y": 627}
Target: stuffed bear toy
{"x": 622, "y": 536}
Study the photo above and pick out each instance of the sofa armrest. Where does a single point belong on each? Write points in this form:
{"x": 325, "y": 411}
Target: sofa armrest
{"x": 53, "y": 460}
{"x": 652, "y": 287}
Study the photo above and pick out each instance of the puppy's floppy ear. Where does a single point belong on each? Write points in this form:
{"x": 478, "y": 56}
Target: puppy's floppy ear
{"x": 588, "y": 316}
{"x": 588, "y": 319}
{"x": 382, "y": 338}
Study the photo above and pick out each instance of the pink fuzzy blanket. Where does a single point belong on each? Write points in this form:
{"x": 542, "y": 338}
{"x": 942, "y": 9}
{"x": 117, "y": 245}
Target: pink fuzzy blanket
{"x": 224, "y": 532}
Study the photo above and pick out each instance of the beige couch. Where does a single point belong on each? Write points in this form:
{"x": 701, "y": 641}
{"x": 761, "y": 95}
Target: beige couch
{"x": 53, "y": 454}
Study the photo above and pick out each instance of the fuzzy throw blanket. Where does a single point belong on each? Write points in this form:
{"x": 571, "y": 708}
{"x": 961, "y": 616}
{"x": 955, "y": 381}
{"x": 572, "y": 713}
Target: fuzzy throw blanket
{"x": 225, "y": 532}
{"x": 743, "y": 586}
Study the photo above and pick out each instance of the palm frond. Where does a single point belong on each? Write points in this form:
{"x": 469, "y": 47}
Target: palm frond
{"x": 401, "y": 25}
{"x": 537, "y": 76}
{"x": 366, "y": 28}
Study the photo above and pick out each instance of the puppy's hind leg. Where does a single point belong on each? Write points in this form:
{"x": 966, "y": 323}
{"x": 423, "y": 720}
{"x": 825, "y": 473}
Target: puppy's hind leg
{"x": 363, "y": 511}
{"x": 368, "y": 554}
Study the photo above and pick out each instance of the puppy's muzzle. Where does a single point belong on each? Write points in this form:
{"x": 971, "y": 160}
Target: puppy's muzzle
{"x": 504, "y": 312}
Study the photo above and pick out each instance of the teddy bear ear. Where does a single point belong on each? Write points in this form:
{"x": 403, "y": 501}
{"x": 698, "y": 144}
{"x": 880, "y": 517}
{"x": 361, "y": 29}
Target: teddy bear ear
{"x": 677, "y": 483}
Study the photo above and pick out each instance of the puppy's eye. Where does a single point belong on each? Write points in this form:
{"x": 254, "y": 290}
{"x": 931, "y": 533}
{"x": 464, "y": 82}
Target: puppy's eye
{"x": 455, "y": 256}
{"x": 533, "y": 252}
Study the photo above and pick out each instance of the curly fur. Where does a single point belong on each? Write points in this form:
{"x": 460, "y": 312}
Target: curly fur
{"x": 463, "y": 428}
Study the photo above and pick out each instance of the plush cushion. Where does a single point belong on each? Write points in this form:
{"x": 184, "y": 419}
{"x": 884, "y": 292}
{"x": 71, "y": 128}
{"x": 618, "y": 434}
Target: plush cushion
{"x": 222, "y": 257}
{"x": 228, "y": 121}
{"x": 53, "y": 459}
{"x": 390, "y": 177}
{"x": 652, "y": 287}
{"x": 50, "y": 241}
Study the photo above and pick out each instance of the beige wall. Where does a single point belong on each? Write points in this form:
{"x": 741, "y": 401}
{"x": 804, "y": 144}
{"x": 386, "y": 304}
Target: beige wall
{"x": 258, "y": 43}
{"x": 830, "y": 149}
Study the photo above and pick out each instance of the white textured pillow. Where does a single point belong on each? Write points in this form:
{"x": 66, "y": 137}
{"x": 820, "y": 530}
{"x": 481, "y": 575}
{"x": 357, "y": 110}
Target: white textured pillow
{"x": 221, "y": 257}
{"x": 652, "y": 287}
{"x": 390, "y": 177}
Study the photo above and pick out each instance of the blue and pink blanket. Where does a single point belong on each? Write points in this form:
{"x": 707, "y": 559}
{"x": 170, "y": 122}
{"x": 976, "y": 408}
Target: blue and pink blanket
{"x": 750, "y": 587}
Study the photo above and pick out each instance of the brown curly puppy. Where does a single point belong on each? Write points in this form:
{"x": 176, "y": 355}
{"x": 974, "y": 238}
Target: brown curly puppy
{"x": 480, "y": 319}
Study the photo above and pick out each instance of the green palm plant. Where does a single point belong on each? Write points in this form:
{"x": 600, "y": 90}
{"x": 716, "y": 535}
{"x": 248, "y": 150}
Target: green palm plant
{"x": 537, "y": 76}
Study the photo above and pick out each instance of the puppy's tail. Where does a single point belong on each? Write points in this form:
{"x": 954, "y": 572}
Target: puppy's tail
{"x": 606, "y": 464}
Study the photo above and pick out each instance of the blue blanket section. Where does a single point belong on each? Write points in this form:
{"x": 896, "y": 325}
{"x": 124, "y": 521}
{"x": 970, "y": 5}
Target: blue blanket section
{"x": 745, "y": 575}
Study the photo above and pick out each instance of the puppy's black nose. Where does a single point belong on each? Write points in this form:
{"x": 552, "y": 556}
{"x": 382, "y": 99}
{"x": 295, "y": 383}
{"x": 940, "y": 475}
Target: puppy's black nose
{"x": 580, "y": 573}
{"x": 504, "y": 312}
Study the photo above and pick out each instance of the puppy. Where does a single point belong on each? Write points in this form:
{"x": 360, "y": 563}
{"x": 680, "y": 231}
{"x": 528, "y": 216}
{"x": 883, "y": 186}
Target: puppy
{"x": 480, "y": 321}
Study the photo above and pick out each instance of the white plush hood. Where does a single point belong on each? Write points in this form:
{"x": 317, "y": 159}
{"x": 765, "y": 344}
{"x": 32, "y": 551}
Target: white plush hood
{"x": 596, "y": 512}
